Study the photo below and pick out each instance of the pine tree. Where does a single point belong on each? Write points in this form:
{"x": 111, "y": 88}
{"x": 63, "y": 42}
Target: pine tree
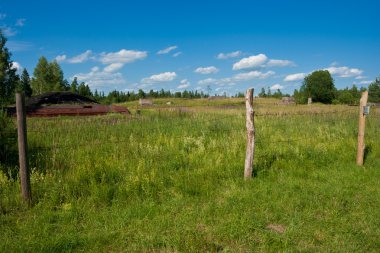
{"x": 8, "y": 76}
{"x": 74, "y": 85}
{"x": 25, "y": 83}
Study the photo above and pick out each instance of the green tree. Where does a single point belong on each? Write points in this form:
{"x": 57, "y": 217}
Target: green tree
{"x": 84, "y": 90}
{"x": 262, "y": 93}
{"x": 48, "y": 77}
{"x": 374, "y": 91}
{"x": 56, "y": 81}
{"x": 8, "y": 76}
{"x": 319, "y": 85}
{"x": 40, "y": 81}
{"x": 25, "y": 83}
{"x": 74, "y": 85}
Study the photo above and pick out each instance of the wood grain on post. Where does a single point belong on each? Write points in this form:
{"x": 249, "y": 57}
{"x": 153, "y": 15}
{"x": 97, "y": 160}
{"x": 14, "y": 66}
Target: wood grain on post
{"x": 361, "y": 146}
{"x": 23, "y": 148}
{"x": 248, "y": 171}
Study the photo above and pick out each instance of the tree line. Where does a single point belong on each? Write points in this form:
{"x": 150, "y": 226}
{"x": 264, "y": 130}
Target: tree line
{"x": 48, "y": 76}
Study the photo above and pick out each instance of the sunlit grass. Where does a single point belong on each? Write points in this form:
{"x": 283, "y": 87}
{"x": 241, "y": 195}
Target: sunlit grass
{"x": 172, "y": 180}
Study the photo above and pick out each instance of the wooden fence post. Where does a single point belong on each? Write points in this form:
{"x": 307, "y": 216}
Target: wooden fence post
{"x": 362, "y": 116}
{"x": 248, "y": 171}
{"x": 23, "y": 148}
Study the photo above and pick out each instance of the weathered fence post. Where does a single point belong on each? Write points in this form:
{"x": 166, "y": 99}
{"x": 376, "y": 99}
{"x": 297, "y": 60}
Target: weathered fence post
{"x": 362, "y": 116}
{"x": 248, "y": 171}
{"x": 23, "y": 148}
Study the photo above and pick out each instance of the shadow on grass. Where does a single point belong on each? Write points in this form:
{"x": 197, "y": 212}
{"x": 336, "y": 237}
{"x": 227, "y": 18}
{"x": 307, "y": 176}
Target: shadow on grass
{"x": 265, "y": 163}
{"x": 367, "y": 151}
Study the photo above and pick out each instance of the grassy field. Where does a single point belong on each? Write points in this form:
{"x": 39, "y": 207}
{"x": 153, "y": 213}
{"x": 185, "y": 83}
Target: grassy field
{"x": 171, "y": 180}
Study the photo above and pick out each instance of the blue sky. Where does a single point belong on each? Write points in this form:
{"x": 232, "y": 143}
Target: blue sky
{"x": 177, "y": 45}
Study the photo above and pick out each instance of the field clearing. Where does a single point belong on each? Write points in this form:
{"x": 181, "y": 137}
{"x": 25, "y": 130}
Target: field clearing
{"x": 171, "y": 180}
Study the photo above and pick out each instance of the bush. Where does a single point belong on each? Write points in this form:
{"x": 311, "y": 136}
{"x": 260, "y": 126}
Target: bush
{"x": 8, "y": 140}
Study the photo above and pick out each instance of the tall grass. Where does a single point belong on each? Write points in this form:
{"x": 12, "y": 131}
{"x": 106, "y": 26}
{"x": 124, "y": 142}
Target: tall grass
{"x": 172, "y": 181}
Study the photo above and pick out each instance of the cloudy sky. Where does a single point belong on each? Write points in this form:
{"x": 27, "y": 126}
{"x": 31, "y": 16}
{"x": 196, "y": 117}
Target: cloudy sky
{"x": 177, "y": 45}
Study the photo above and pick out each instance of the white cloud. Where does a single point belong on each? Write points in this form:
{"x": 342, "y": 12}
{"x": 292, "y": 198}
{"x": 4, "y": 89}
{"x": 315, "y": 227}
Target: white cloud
{"x": 16, "y": 65}
{"x": 260, "y": 61}
{"x": 80, "y": 58}
{"x": 207, "y": 70}
{"x": 207, "y": 81}
{"x": 20, "y": 22}
{"x": 295, "y": 77}
{"x": 183, "y": 85}
{"x": 123, "y": 56}
{"x": 96, "y": 78}
{"x": 253, "y": 75}
{"x": 360, "y": 77}
{"x": 113, "y": 67}
{"x": 279, "y": 63}
{"x": 365, "y": 82}
{"x": 162, "y": 77}
{"x": 177, "y": 54}
{"x": 250, "y": 62}
{"x": 223, "y": 56}
{"x": 94, "y": 69}
{"x": 345, "y": 71}
{"x": 167, "y": 50}
{"x": 276, "y": 87}
{"x": 60, "y": 58}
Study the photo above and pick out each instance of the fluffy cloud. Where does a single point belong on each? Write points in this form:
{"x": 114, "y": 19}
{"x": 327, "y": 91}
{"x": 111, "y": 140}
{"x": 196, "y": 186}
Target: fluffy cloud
{"x": 114, "y": 60}
{"x": 96, "y": 78}
{"x": 60, "y": 58}
{"x": 260, "y": 61}
{"x": 206, "y": 70}
{"x": 250, "y": 62}
{"x": 253, "y": 75}
{"x": 345, "y": 71}
{"x": 123, "y": 56}
{"x": 167, "y": 50}
{"x": 207, "y": 81}
{"x": 177, "y": 54}
{"x": 16, "y": 65}
{"x": 83, "y": 57}
{"x": 276, "y": 87}
{"x": 158, "y": 78}
{"x": 223, "y": 56}
{"x": 295, "y": 77}
{"x": 184, "y": 84}
{"x": 279, "y": 63}
{"x": 113, "y": 67}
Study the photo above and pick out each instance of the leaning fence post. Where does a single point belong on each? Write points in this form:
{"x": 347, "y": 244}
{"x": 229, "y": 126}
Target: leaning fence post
{"x": 248, "y": 171}
{"x": 362, "y": 116}
{"x": 23, "y": 148}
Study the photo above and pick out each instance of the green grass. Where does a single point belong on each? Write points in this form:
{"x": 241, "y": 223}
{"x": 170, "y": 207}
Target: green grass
{"x": 172, "y": 181}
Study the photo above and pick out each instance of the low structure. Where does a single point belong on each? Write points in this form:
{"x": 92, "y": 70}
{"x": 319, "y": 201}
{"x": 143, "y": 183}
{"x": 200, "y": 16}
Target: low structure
{"x": 52, "y": 104}
{"x": 145, "y": 102}
{"x": 287, "y": 101}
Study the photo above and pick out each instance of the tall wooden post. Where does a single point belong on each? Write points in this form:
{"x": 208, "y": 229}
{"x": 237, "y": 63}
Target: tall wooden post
{"x": 362, "y": 116}
{"x": 23, "y": 148}
{"x": 248, "y": 171}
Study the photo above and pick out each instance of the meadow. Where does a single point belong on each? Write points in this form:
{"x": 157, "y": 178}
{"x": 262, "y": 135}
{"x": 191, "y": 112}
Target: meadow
{"x": 170, "y": 179}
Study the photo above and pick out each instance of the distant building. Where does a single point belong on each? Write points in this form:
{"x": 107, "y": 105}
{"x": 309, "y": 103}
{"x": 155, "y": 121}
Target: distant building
{"x": 287, "y": 101}
{"x": 143, "y": 102}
